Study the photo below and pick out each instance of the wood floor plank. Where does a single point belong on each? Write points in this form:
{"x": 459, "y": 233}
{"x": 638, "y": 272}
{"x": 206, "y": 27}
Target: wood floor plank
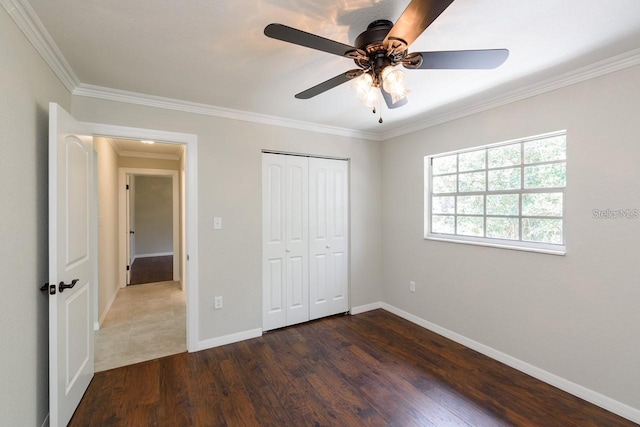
{"x": 372, "y": 369}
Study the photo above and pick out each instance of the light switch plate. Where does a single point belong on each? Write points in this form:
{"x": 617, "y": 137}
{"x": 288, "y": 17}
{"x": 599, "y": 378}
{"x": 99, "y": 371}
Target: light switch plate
{"x": 217, "y": 223}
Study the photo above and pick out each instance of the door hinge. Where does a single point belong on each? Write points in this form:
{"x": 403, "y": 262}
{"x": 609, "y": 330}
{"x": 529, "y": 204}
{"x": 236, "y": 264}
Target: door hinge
{"x": 128, "y": 267}
{"x": 127, "y": 186}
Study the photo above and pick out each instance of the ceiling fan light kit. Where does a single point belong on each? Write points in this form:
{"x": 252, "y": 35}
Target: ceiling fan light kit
{"x": 381, "y": 48}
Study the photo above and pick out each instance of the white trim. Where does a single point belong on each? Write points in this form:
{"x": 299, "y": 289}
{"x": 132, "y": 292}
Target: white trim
{"x": 364, "y": 308}
{"x": 485, "y": 241}
{"x": 123, "y": 233}
{"x": 609, "y": 65}
{"x": 28, "y": 21}
{"x": 191, "y": 220}
{"x": 228, "y": 339}
{"x": 136, "y": 98}
{"x": 582, "y": 392}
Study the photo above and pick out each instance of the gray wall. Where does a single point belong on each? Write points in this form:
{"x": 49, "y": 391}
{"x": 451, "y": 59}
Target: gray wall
{"x": 575, "y": 316}
{"x": 153, "y": 214}
{"x": 26, "y": 87}
{"x": 229, "y": 185}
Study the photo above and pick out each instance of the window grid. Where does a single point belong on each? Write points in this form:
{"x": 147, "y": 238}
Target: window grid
{"x": 521, "y": 218}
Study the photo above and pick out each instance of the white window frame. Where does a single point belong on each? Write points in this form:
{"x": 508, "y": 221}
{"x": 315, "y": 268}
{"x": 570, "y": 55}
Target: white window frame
{"x": 523, "y": 245}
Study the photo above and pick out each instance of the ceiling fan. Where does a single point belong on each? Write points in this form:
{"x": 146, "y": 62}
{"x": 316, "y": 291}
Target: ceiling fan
{"x": 381, "y": 48}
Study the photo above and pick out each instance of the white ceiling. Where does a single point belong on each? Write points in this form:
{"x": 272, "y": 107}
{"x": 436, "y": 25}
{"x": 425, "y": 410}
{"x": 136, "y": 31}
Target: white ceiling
{"x": 215, "y": 52}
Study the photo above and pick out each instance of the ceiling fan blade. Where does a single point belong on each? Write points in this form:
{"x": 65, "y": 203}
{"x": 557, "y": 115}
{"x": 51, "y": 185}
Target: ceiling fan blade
{"x": 461, "y": 59}
{"x": 389, "y": 101}
{"x": 418, "y": 15}
{"x": 302, "y": 38}
{"x": 329, "y": 84}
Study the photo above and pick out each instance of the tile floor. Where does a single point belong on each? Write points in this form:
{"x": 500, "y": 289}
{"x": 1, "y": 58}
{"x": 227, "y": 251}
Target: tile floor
{"x": 145, "y": 322}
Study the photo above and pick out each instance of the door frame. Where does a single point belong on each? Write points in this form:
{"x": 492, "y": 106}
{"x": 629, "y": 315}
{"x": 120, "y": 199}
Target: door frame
{"x": 122, "y": 222}
{"x": 190, "y": 141}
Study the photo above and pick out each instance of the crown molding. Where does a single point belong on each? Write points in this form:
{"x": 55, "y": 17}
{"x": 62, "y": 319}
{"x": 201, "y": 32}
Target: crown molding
{"x": 27, "y": 20}
{"x": 610, "y": 65}
{"x": 118, "y": 95}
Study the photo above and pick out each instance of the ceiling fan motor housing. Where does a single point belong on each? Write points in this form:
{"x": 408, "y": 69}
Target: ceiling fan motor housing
{"x": 371, "y": 42}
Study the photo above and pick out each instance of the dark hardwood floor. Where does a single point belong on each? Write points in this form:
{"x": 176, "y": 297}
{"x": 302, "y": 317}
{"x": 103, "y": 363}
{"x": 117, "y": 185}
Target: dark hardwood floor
{"x": 373, "y": 369}
{"x": 152, "y": 269}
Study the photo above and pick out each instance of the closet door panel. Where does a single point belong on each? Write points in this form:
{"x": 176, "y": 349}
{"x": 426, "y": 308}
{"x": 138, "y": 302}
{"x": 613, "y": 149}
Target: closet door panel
{"x": 328, "y": 237}
{"x": 297, "y": 238}
{"x": 339, "y": 237}
{"x": 273, "y": 242}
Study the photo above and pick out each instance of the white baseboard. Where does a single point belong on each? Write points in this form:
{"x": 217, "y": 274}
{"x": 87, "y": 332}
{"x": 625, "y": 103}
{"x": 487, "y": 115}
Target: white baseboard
{"x": 135, "y": 257}
{"x": 228, "y": 339}
{"x": 584, "y": 393}
{"x": 45, "y": 423}
{"x": 367, "y": 307}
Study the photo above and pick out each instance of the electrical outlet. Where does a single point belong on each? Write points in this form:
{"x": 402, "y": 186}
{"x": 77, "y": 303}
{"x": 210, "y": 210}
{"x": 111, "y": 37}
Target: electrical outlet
{"x": 412, "y": 286}
{"x": 217, "y": 303}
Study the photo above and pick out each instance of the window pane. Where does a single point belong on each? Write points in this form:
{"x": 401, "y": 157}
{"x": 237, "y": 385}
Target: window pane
{"x": 542, "y": 230}
{"x": 545, "y": 176}
{"x": 444, "y": 164}
{"x": 542, "y": 204}
{"x": 545, "y": 150}
{"x": 444, "y": 184}
{"x": 471, "y": 161}
{"x": 470, "y": 226}
{"x": 443, "y": 224}
{"x": 503, "y": 228}
{"x": 470, "y": 205}
{"x": 503, "y": 204}
{"x": 504, "y": 179}
{"x": 507, "y": 155}
{"x": 445, "y": 204}
{"x": 473, "y": 181}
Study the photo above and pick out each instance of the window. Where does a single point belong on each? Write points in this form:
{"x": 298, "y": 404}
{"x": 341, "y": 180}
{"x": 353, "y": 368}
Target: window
{"x": 507, "y": 195}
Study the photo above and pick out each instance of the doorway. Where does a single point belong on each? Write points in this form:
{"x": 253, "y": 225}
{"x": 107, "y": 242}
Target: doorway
{"x": 174, "y": 297}
{"x": 151, "y": 226}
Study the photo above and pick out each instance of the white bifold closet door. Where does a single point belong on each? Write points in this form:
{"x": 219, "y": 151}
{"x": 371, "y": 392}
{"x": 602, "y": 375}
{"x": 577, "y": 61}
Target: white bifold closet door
{"x": 305, "y": 239}
{"x": 328, "y": 237}
{"x": 285, "y": 225}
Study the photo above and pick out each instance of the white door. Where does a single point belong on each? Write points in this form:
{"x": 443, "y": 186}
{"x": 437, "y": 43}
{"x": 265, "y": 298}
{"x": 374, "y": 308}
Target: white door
{"x": 296, "y": 238}
{"x": 71, "y": 261}
{"x": 328, "y": 237}
{"x": 285, "y": 240}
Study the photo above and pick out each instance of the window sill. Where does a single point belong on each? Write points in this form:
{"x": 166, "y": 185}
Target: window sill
{"x": 500, "y": 244}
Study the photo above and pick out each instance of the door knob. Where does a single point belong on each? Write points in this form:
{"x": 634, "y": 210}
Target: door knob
{"x": 62, "y": 286}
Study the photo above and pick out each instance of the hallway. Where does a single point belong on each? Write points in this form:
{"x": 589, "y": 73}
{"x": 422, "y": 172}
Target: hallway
{"x": 145, "y": 322}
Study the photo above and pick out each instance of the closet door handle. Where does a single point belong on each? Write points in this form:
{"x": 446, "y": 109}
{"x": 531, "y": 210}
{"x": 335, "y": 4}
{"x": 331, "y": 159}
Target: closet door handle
{"x": 288, "y": 250}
